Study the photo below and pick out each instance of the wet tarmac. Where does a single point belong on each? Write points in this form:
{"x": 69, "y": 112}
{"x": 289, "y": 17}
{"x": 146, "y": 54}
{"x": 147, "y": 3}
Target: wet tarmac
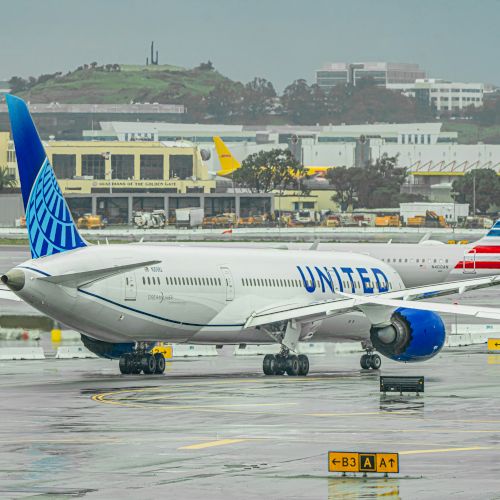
{"x": 213, "y": 428}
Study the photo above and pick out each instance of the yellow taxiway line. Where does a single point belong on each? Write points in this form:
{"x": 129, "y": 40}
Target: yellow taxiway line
{"x": 445, "y": 450}
{"x": 210, "y": 444}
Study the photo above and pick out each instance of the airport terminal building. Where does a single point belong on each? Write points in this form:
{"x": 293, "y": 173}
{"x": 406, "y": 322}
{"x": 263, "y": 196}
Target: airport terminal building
{"x": 114, "y": 179}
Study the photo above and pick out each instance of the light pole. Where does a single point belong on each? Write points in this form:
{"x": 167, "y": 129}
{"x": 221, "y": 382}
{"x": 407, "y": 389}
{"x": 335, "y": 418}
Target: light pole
{"x": 453, "y": 194}
{"x": 474, "y": 192}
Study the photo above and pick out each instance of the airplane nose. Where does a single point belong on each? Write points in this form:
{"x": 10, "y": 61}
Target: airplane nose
{"x": 14, "y": 279}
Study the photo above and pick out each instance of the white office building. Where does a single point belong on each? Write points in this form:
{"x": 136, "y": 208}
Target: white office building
{"x": 383, "y": 73}
{"x": 443, "y": 95}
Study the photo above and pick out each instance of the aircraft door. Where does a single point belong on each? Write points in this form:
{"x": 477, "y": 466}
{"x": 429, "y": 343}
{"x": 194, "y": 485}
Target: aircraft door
{"x": 229, "y": 282}
{"x": 469, "y": 262}
{"x": 130, "y": 286}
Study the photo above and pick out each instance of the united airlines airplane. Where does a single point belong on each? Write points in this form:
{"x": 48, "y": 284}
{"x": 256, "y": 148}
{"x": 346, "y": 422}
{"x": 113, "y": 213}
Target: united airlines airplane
{"x": 124, "y": 298}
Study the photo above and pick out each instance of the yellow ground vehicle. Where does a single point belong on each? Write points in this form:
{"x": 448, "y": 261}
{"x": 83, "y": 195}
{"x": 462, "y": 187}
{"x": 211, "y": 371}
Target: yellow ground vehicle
{"x": 430, "y": 219}
{"x": 90, "y": 221}
{"x": 387, "y": 221}
{"x": 164, "y": 349}
{"x": 222, "y": 220}
{"x": 331, "y": 221}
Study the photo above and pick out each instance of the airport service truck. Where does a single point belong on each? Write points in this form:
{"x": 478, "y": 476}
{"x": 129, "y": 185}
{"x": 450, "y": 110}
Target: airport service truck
{"x": 189, "y": 217}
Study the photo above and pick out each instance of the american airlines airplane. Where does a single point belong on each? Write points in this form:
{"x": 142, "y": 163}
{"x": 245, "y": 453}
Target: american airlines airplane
{"x": 124, "y": 298}
{"x": 432, "y": 262}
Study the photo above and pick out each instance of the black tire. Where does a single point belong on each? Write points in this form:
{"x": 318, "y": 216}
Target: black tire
{"x": 148, "y": 364}
{"x": 124, "y": 365}
{"x": 375, "y": 362}
{"x": 280, "y": 365}
{"x": 365, "y": 362}
{"x": 269, "y": 364}
{"x": 292, "y": 365}
{"x": 160, "y": 363}
{"x": 303, "y": 365}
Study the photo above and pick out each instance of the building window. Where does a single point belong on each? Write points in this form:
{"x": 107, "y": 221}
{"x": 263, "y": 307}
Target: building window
{"x": 151, "y": 166}
{"x": 122, "y": 166}
{"x": 181, "y": 166}
{"x": 93, "y": 165}
{"x": 64, "y": 166}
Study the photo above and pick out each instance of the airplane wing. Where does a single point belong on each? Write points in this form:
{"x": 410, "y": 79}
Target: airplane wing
{"x": 75, "y": 280}
{"x": 7, "y": 294}
{"x": 391, "y": 300}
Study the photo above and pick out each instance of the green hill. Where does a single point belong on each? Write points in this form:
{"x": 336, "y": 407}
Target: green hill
{"x": 121, "y": 84}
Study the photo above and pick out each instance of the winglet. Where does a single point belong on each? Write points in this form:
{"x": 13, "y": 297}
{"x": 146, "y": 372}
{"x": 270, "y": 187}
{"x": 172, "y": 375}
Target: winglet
{"x": 227, "y": 161}
{"x": 50, "y": 226}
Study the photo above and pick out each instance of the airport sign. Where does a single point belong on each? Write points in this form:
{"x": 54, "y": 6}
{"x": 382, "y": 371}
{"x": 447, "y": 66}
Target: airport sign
{"x": 493, "y": 344}
{"x": 345, "y": 461}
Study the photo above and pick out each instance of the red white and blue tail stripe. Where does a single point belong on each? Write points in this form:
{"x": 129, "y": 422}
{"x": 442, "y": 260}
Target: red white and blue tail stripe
{"x": 485, "y": 254}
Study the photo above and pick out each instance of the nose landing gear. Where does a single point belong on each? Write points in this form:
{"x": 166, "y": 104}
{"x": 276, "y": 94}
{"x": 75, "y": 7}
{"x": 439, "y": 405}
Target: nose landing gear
{"x": 370, "y": 360}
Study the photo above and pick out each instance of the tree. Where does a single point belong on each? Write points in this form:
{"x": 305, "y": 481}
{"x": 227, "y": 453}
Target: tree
{"x": 345, "y": 183}
{"x": 17, "y": 84}
{"x": 297, "y": 103}
{"x": 266, "y": 171}
{"x": 258, "y": 98}
{"x": 376, "y": 185}
{"x": 487, "y": 189}
{"x": 6, "y": 180}
{"x": 206, "y": 66}
{"x": 224, "y": 100}
{"x": 381, "y": 183}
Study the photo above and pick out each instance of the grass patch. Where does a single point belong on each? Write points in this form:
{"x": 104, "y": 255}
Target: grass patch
{"x": 133, "y": 83}
{"x": 471, "y": 133}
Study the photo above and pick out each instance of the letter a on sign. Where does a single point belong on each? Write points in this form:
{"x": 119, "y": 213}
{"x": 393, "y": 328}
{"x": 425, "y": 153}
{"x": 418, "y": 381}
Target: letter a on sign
{"x": 367, "y": 463}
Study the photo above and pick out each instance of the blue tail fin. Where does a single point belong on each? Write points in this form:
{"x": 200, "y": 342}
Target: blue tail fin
{"x": 48, "y": 219}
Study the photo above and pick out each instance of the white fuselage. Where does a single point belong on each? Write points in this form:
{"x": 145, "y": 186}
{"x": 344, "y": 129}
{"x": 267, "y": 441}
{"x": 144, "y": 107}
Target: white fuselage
{"x": 417, "y": 264}
{"x": 201, "y": 295}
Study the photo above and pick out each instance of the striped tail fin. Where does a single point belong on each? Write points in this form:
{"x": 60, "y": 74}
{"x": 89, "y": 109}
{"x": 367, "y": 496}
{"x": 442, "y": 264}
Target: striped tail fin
{"x": 50, "y": 226}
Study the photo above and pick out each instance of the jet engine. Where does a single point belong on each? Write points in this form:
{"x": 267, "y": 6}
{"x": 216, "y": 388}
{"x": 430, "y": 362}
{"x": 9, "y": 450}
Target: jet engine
{"x": 413, "y": 335}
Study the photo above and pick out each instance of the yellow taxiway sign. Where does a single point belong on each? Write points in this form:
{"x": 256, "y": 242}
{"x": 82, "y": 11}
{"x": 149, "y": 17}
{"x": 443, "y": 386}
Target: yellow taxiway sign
{"x": 345, "y": 461}
{"x": 493, "y": 344}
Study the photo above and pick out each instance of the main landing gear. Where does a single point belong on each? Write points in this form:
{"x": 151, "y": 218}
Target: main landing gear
{"x": 142, "y": 361}
{"x": 370, "y": 360}
{"x": 282, "y": 363}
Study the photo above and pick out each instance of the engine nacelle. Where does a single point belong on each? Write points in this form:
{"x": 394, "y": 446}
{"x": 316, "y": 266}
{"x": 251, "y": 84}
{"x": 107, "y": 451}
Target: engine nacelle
{"x": 413, "y": 335}
{"x": 107, "y": 350}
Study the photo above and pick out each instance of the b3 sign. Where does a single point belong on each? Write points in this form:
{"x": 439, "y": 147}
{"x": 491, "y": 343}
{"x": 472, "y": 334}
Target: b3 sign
{"x": 345, "y": 461}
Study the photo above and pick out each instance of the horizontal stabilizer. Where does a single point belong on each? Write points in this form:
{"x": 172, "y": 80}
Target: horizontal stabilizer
{"x": 75, "y": 280}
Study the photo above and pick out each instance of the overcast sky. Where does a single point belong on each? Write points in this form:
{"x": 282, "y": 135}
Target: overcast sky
{"x": 281, "y": 40}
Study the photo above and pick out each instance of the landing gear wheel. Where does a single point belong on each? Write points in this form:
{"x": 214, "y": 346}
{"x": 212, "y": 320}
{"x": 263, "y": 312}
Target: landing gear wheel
{"x": 280, "y": 365}
{"x": 292, "y": 366}
{"x": 148, "y": 364}
{"x": 365, "y": 362}
{"x": 160, "y": 363}
{"x": 125, "y": 365}
{"x": 375, "y": 361}
{"x": 303, "y": 365}
{"x": 269, "y": 364}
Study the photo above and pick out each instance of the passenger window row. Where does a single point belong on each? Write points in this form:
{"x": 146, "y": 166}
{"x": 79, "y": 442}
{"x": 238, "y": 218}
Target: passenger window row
{"x": 271, "y": 282}
{"x": 418, "y": 261}
{"x": 182, "y": 280}
{"x": 288, "y": 283}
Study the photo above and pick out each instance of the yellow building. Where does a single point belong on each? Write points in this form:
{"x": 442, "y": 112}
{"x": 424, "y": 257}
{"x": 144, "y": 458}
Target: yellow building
{"x": 115, "y": 178}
